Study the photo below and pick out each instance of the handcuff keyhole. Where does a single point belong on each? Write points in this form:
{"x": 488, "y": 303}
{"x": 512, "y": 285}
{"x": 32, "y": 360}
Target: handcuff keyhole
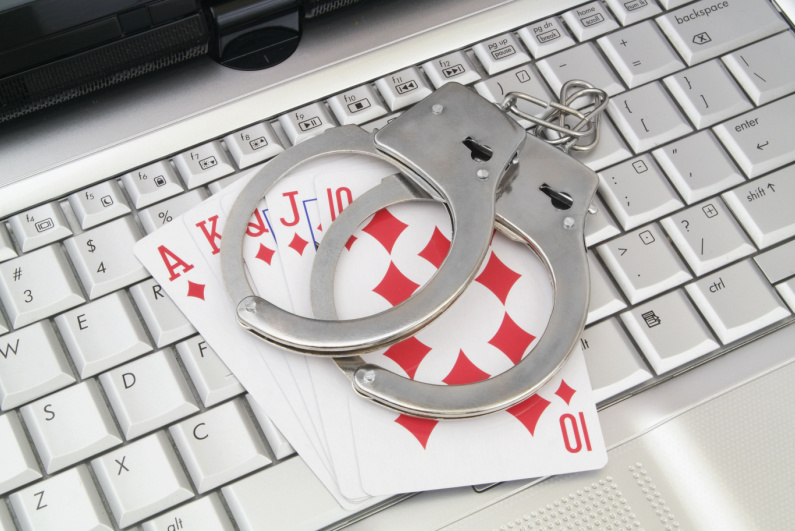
{"x": 560, "y": 200}
{"x": 480, "y": 152}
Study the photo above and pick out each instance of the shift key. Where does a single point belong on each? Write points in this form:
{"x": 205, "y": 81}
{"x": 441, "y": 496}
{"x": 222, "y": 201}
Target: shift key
{"x": 710, "y": 28}
{"x": 761, "y": 140}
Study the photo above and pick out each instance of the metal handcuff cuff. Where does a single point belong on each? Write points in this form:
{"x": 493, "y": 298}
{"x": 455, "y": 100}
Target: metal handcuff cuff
{"x": 457, "y": 148}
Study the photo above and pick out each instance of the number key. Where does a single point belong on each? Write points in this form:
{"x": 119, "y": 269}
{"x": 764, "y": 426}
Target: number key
{"x": 38, "y": 285}
{"x": 104, "y": 259}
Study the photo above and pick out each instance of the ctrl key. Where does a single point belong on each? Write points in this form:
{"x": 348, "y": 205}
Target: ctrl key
{"x": 737, "y": 301}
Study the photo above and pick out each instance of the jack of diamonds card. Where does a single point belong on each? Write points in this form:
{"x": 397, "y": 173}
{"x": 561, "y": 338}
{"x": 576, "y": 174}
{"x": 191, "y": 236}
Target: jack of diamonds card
{"x": 489, "y": 329}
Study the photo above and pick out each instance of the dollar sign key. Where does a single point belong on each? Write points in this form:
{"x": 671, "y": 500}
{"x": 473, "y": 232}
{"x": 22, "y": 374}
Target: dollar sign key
{"x": 91, "y": 246}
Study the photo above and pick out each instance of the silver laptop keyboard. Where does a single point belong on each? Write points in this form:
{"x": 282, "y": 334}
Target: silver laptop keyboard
{"x": 108, "y": 396}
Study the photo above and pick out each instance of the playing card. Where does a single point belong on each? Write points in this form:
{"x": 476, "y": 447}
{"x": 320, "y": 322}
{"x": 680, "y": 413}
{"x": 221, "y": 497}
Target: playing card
{"x": 487, "y": 331}
{"x": 205, "y": 224}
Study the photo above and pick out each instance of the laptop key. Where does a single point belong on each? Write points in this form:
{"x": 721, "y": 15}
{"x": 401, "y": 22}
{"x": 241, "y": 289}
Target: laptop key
{"x": 633, "y": 11}
{"x": 613, "y": 363}
{"x": 37, "y": 285}
{"x": 162, "y": 317}
{"x": 70, "y": 425}
{"x": 32, "y": 365}
{"x": 156, "y": 216}
{"x": 141, "y": 479}
{"x": 758, "y": 67}
{"x": 205, "y": 513}
{"x": 760, "y": 140}
{"x": 253, "y": 144}
{"x": 403, "y": 88}
{"x": 707, "y": 236}
{"x": 85, "y": 332}
{"x": 454, "y": 66}
{"x": 589, "y": 21}
{"x": 104, "y": 259}
{"x": 707, "y": 93}
{"x": 521, "y": 79}
{"x": 152, "y": 183}
{"x": 18, "y": 465}
{"x": 637, "y": 191}
{"x": 500, "y": 53}
{"x": 6, "y": 523}
{"x": 303, "y": 502}
{"x": 707, "y": 29}
{"x": 306, "y": 122}
{"x": 40, "y": 226}
{"x": 787, "y": 292}
{"x": 643, "y": 263}
{"x": 212, "y": 378}
{"x": 599, "y": 226}
{"x": 203, "y": 164}
{"x": 764, "y": 207}
{"x": 605, "y": 298}
{"x": 647, "y": 117}
{"x": 546, "y": 37}
{"x": 357, "y": 106}
{"x": 66, "y": 501}
{"x": 580, "y": 62}
{"x": 669, "y": 331}
{"x": 219, "y": 445}
{"x": 779, "y": 263}
{"x": 640, "y": 53}
{"x": 148, "y": 393}
{"x": 698, "y": 166}
{"x": 737, "y": 301}
{"x": 98, "y": 204}
{"x": 279, "y": 444}
{"x": 7, "y": 250}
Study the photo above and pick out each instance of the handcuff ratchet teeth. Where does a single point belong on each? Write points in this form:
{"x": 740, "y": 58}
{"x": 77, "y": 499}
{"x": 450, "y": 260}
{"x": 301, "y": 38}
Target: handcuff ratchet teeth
{"x": 459, "y": 149}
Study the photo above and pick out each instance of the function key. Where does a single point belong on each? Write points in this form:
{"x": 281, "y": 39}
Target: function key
{"x": 253, "y": 144}
{"x": 357, "y": 106}
{"x": 454, "y": 66}
{"x": 40, "y": 226}
{"x": 152, "y": 183}
{"x": 403, "y": 88}
{"x": 203, "y": 164}
{"x": 306, "y": 122}
{"x": 98, "y": 204}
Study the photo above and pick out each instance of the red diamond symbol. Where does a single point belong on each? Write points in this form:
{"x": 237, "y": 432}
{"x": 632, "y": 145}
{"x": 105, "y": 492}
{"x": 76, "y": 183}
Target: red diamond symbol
{"x": 464, "y": 372}
{"x": 395, "y": 287}
{"x": 511, "y": 339}
{"x": 385, "y": 228}
{"x": 265, "y": 254}
{"x": 529, "y": 411}
{"x": 350, "y": 242}
{"x": 420, "y": 428}
{"x": 565, "y": 392}
{"x": 195, "y": 290}
{"x": 498, "y": 277}
{"x": 436, "y": 249}
{"x": 298, "y": 244}
{"x": 409, "y": 353}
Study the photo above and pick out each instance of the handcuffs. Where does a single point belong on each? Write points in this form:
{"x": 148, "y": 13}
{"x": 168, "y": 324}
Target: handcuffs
{"x": 457, "y": 148}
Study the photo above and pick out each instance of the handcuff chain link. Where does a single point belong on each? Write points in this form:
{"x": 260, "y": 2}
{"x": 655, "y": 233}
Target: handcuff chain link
{"x": 561, "y": 134}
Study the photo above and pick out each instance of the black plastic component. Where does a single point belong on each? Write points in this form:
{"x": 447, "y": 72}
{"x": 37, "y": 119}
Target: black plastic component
{"x": 135, "y": 21}
{"x": 254, "y": 34}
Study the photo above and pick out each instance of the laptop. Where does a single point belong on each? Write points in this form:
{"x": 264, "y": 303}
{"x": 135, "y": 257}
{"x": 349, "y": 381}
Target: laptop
{"x": 691, "y": 251}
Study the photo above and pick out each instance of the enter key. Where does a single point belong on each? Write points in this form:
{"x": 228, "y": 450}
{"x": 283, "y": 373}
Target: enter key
{"x": 761, "y": 140}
